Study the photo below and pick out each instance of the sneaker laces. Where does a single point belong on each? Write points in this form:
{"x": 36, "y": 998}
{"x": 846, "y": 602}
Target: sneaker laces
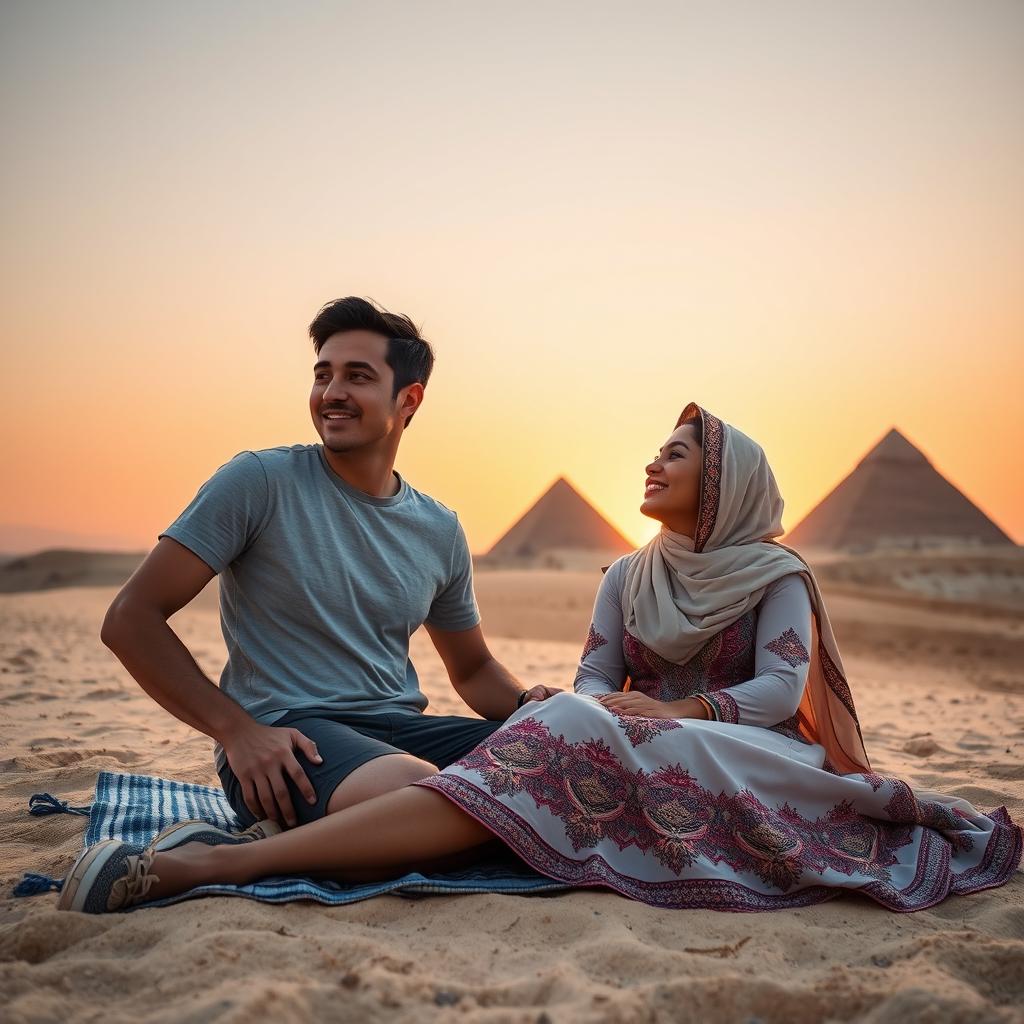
{"x": 136, "y": 882}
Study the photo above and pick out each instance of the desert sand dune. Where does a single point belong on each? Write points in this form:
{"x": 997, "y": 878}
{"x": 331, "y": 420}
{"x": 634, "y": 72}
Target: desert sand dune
{"x": 941, "y": 697}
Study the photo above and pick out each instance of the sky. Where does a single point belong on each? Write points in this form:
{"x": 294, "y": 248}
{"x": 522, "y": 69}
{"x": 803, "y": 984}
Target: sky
{"x": 806, "y": 217}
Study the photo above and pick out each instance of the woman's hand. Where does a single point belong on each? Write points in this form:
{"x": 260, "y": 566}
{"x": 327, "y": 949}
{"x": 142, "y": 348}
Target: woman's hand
{"x": 634, "y": 703}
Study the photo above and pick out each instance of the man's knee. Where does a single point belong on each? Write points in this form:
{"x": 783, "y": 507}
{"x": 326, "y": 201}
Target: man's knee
{"x": 378, "y": 775}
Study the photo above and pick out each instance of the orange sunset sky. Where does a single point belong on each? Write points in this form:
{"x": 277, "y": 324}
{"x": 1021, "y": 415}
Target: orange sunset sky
{"x": 808, "y": 217}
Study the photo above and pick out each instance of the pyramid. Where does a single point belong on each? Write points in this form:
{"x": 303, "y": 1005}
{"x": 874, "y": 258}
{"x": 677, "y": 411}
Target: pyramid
{"x": 894, "y": 497}
{"x": 561, "y": 520}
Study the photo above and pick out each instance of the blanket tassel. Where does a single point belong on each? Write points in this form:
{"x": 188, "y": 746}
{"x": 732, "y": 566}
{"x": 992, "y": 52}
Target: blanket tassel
{"x": 47, "y": 803}
{"x": 33, "y": 883}
{"x": 40, "y": 804}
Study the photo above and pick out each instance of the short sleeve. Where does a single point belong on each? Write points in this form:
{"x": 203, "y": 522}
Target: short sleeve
{"x": 454, "y": 606}
{"x": 227, "y": 514}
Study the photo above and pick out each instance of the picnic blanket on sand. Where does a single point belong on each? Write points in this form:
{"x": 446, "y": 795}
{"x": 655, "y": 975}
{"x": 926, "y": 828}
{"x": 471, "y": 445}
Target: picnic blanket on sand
{"x": 135, "y": 807}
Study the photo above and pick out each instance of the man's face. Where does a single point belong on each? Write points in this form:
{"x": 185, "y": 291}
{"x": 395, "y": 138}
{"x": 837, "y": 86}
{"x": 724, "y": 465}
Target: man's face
{"x": 351, "y": 402}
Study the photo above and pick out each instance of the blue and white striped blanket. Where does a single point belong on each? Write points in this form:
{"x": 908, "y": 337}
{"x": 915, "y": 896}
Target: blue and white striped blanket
{"x": 135, "y": 807}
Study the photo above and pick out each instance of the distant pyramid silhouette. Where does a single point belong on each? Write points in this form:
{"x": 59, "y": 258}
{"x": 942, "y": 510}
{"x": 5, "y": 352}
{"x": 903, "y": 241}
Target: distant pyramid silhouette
{"x": 561, "y": 519}
{"x": 894, "y": 495}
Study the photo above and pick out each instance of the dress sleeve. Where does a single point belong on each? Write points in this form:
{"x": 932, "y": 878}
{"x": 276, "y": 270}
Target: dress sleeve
{"x": 781, "y": 661}
{"x": 602, "y": 668}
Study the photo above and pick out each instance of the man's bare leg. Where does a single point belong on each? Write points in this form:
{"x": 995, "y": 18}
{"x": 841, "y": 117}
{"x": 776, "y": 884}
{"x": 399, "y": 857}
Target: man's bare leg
{"x": 380, "y": 838}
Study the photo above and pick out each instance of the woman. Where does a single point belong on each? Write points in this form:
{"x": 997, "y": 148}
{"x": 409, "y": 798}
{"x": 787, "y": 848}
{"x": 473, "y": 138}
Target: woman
{"x": 709, "y": 756}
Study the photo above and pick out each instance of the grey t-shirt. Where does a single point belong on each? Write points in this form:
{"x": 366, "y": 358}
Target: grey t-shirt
{"x": 321, "y": 584}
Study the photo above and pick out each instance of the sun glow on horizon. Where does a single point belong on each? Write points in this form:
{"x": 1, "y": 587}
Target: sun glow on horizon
{"x": 802, "y": 219}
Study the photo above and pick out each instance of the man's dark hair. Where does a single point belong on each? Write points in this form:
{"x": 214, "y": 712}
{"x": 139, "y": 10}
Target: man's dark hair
{"x": 410, "y": 357}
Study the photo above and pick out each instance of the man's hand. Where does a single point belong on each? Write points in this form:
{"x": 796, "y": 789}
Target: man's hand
{"x": 541, "y": 692}
{"x": 478, "y": 678}
{"x": 260, "y": 755}
{"x": 633, "y": 703}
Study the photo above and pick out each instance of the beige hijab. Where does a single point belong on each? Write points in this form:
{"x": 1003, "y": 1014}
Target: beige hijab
{"x": 679, "y": 591}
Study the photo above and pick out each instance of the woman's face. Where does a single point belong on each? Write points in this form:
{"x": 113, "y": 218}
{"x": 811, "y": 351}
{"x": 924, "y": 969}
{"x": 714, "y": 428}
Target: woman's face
{"x": 672, "y": 490}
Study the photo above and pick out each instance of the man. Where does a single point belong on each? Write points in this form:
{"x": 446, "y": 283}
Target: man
{"x": 328, "y": 560}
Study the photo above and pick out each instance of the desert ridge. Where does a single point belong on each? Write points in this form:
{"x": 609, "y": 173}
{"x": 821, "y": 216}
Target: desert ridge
{"x": 940, "y": 694}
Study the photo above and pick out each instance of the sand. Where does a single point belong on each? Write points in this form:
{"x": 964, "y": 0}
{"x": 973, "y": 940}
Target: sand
{"x": 940, "y": 691}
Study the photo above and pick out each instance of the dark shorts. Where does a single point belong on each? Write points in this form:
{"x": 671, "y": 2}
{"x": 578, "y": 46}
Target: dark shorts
{"x": 347, "y": 741}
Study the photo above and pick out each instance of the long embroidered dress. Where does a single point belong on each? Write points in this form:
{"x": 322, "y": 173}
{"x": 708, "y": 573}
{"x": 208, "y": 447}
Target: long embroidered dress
{"x": 736, "y": 813}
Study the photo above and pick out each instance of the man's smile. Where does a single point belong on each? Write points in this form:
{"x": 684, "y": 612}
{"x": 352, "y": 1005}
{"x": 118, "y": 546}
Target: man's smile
{"x": 338, "y": 416}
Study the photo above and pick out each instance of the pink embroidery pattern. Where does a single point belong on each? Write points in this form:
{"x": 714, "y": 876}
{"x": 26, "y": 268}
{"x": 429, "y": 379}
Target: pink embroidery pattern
{"x": 876, "y": 781}
{"x": 930, "y": 884}
{"x": 905, "y": 807}
{"x": 838, "y": 685}
{"x": 711, "y": 478}
{"x": 726, "y": 659}
{"x": 725, "y": 706}
{"x": 594, "y": 640}
{"x": 640, "y": 728}
{"x": 791, "y": 727}
{"x": 789, "y": 647}
{"x": 667, "y": 814}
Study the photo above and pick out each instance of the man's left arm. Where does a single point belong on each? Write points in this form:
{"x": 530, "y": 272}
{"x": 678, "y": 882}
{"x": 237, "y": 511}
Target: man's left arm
{"x": 478, "y": 677}
{"x": 453, "y": 625}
